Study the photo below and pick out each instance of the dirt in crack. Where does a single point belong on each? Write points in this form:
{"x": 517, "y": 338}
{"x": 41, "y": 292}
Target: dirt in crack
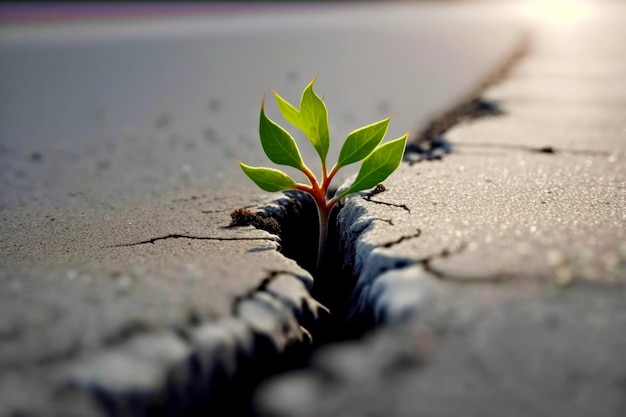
{"x": 296, "y": 222}
{"x": 153, "y": 240}
{"x": 297, "y": 225}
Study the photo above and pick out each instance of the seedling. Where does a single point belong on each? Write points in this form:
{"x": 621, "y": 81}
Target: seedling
{"x": 379, "y": 161}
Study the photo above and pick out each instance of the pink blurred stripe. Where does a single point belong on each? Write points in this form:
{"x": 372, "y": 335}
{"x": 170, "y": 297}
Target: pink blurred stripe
{"x": 46, "y": 12}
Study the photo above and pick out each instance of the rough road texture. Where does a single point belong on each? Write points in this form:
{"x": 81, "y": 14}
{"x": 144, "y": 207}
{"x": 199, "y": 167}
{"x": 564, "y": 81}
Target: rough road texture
{"x": 130, "y": 312}
{"x": 122, "y": 290}
{"x": 503, "y": 265}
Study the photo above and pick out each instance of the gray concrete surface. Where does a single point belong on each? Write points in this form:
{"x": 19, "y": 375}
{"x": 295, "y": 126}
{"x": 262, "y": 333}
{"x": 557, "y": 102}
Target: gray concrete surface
{"x": 474, "y": 351}
{"x": 114, "y": 100}
{"x": 500, "y": 270}
{"x": 121, "y": 290}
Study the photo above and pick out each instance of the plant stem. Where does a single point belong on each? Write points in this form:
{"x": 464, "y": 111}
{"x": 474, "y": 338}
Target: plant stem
{"x": 323, "y": 215}
{"x": 328, "y": 178}
{"x": 314, "y": 184}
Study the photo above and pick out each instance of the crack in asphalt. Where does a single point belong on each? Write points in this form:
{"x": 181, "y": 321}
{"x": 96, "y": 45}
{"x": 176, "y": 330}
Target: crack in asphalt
{"x": 244, "y": 216}
{"x": 388, "y": 221}
{"x": 262, "y": 286}
{"x": 402, "y": 206}
{"x": 180, "y": 236}
{"x": 474, "y": 106}
{"x": 446, "y": 253}
{"x": 380, "y": 188}
{"x": 401, "y": 239}
{"x": 430, "y": 143}
{"x": 229, "y": 209}
{"x": 535, "y": 149}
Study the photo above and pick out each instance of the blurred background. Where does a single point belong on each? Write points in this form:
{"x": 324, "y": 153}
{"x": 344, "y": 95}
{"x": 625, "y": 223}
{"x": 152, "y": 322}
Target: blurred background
{"x": 109, "y": 102}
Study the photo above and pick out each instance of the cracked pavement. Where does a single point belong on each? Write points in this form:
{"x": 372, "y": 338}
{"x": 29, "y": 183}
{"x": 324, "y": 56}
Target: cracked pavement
{"x": 120, "y": 275}
{"x": 93, "y": 292}
{"x": 530, "y": 209}
{"x": 122, "y": 290}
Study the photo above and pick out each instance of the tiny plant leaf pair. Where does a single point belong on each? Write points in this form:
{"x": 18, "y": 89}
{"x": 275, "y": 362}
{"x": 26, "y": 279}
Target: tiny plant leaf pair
{"x": 363, "y": 144}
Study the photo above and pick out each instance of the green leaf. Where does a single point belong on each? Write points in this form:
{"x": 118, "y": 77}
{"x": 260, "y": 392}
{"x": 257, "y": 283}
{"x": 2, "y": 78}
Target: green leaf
{"x": 289, "y": 112}
{"x": 362, "y": 142}
{"x": 378, "y": 165}
{"x": 314, "y": 121}
{"x": 277, "y": 143}
{"x": 268, "y": 179}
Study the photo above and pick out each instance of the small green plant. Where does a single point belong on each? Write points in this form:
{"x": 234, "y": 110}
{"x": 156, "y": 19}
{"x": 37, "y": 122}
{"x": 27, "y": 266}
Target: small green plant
{"x": 379, "y": 161}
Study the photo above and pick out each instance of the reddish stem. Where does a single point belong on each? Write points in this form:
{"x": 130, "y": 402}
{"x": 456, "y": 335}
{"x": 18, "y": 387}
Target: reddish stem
{"x": 318, "y": 192}
{"x": 328, "y": 178}
{"x": 311, "y": 177}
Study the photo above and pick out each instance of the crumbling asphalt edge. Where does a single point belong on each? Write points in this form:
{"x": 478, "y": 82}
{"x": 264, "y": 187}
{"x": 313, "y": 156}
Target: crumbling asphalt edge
{"x": 390, "y": 290}
{"x": 187, "y": 369}
{"x": 175, "y": 371}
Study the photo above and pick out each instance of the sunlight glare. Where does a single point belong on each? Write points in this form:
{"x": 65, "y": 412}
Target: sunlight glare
{"x": 560, "y": 11}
